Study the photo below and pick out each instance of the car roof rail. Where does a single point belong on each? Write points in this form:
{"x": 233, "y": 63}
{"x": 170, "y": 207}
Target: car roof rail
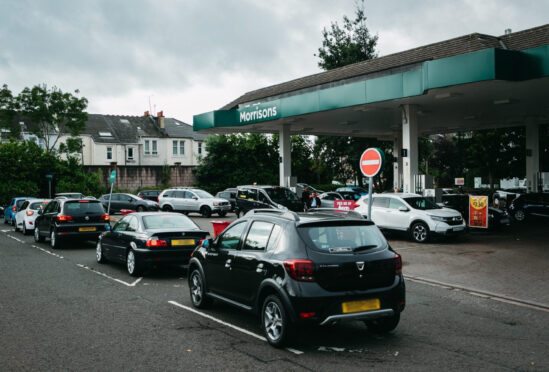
{"x": 283, "y": 213}
{"x": 340, "y": 212}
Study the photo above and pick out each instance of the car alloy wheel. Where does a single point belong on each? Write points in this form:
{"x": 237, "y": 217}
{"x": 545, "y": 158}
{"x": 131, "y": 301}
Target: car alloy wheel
{"x": 167, "y": 208}
{"x": 54, "y": 239}
{"x": 15, "y": 227}
{"x": 37, "y": 237}
{"x": 205, "y": 211}
{"x": 274, "y": 321}
{"x": 99, "y": 253}
{"x": 196, "y": 289}
{"x": 132, "y": 264}
{"x": 519, "y": 215}
{"x": 420, "y": 232}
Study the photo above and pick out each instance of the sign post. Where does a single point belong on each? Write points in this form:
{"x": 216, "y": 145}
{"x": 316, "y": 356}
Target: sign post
{"x": 478, "y": 211}
{"x": 370, "y": 164}
{"x": 49, "y": 177}
{"x": 112, "y": 179}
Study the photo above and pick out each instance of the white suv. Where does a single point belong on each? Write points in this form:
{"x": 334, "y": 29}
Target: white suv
{"x": 413, "y": 213}
{"x": 188, "y": 200}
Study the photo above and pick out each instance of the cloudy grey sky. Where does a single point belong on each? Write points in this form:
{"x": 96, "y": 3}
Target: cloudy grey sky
{"x": 193, "y": 56}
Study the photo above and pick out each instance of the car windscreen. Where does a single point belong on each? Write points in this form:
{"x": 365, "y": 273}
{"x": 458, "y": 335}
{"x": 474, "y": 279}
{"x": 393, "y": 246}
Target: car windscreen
{"x": 342, "y": 238}
{"x": 421, "y": 203}
{"x": 280, "y": 194}
{"x": 38, "y": 205}
{"x": 203, "y": 194}
{"x": 168, "y": 221}
{"x": 82, "y": 207}
{"x": 19, "y": 203}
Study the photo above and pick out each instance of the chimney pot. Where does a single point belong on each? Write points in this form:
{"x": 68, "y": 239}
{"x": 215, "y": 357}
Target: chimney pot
{"x": 146, "y": 113}
{"x": 160, "y": 114}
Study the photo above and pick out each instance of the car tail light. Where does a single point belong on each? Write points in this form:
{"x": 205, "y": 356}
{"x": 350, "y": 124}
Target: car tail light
{"x": 155, "y": 242}
{"x": 201, "y": 241}
{"x": 83, "y": 201}
{"x": 14, "y": 208}
{"x": 30, "y": 213}
{"x": 398, "y": 264}
{"x": 306, "y": 315}
{"x": 141, "y": 196}
{"x": 63, "y": 218}
{"x": 105, "y": 217}
{"x": 357, "y": 205}
{"x": 300, "y": 270}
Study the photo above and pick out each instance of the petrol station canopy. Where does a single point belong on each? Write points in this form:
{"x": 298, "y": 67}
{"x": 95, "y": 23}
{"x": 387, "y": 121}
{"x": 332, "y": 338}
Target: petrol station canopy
{"x": 472, "y": 82}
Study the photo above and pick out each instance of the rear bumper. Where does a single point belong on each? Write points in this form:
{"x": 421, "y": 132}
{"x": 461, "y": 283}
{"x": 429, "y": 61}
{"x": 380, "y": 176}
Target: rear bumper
{"x": 73, "y": 231}
{"x": 328, "y": 309}
{"x": 222, "y": 208}
{"x": 150, "y": 257}
{"x": 442, "y": 228}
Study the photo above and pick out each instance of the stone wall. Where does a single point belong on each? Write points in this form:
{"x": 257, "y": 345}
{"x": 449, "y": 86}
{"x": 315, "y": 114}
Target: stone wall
{"x": 131, "y": 178}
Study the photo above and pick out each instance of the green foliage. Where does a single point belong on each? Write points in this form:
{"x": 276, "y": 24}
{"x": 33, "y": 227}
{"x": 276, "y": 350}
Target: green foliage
{"x": 351, "y": 43}
{"x": 8, "y": 112}
{"x": 165, "y": 174}
{"x": 23, "y": 169}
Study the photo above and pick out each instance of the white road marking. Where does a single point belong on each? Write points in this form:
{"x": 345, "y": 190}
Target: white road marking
{"x": 48, "y": 252}
{"x": 483, "y": 294}
{"x": 245, "y": 331}
{"x": 5, "y": 231}
{"x": 370, "y": 162}
{"x": 109, "y": 277}
{"x": 14, "y": 238}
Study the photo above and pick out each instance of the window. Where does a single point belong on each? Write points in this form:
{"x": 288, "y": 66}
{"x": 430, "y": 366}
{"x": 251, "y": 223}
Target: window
{"x": 258, "y": 236}
{"x": 154, "y": 147}
{"x": 178, "y": 145}
{"x": 109, "y": 153}
{"x": 122, "y": 224}
{"x": 174, "y": 147}
{"x": 247, "y": 194}
{"x": 181, "y": 147}
{"x": 130, "y": 153}
{"x": 188, "y": 195}
{"x": 273, "y": 240}
{"x": 343, "y": 238}
{"x": 380, "y": 202}
{"x": 147, "y": 147}
{"x": 231, "y": 237}
{"x": 133, "y": 225}
{"x": 395, "y": 203}
{"x": 199, "y": 148}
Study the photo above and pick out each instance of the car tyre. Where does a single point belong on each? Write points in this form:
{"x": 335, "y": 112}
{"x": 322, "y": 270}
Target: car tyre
{"x": 275, "y": 322}
{"x": 197, "y": 290}
{"x": 205, "y": 211}
{"x": 419, "y": 232}
{"x": 167, "y": 208}
{"x": 383, "y": 325}
{"x": 37, "y": 237}
{"x": 15, "y": 228}
{"x": 222, "y": 214}
{"x": 519, "y": 215}
{"x": 24, "y": 229}
{"x": 132, "y": 263}
{"x": 140, "y": 208}
{"x": 237, "y": 212}
{"x": 55, "y": 241}
{"x": 99, "y": 253}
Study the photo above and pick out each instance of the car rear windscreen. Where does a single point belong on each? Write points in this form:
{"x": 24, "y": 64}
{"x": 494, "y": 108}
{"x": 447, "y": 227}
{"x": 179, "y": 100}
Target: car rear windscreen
{"x": 83, "y": 207}
{"x": 168, "y": 221}
{"x": 38, "y": 205}
{"x": 343, "y": 238}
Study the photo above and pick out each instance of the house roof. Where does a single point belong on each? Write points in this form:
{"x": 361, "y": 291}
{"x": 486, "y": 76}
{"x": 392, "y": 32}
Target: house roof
{"x": 129, "y": 129}
{"x": 521, "y": 40}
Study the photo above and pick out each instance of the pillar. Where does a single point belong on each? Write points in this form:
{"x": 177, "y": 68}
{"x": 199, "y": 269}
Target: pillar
{"x": 409, "y": 144}
{"x": 532, "y": 156}
{"x": 397, "y": 165}
{"x": 285, "y": 156}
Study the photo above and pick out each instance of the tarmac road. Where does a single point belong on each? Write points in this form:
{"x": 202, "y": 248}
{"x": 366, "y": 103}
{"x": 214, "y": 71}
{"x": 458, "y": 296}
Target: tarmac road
{"x": 60, "y": 310}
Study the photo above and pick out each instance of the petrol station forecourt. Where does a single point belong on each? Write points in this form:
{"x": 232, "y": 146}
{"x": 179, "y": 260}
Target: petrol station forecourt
{"x": 472, "y": 82}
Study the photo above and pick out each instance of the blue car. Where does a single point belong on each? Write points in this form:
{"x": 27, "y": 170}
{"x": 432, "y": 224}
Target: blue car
{"x": 357, "y": 189}
{"x": 11, "y": 210}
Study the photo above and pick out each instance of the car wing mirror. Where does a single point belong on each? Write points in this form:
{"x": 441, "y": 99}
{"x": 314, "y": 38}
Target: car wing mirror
{"x": 40, "y": 211}
{"x": 195, "y": 198}
{"x": 403, "y": 209}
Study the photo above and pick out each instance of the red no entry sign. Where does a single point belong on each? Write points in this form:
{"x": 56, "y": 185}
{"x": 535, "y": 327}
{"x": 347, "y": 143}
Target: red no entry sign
{"x": 371, "y": 161}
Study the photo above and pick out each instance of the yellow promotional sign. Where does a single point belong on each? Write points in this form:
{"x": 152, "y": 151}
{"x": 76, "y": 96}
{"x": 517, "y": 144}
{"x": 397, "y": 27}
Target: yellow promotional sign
{"x": 478, "y": 211}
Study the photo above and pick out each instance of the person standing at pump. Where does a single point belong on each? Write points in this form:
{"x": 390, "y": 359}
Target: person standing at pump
{"x": 315, "y": 200}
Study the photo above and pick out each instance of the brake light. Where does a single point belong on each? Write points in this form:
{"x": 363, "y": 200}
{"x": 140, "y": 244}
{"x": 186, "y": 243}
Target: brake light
{"x": 141, "y": 196}
{"x": 105, "y": 217}
{"x": 158, "y": 198}
{"x": 14, "y": 208}
{"x": 306, "y": 315}
{"x": 300, "y": 270}
{"x": 63, "y": 218}
{"x": 30, "y": 213}
{"x": 83, "y": 201}
{"x": 398, "y": 264}
{"x": 357, "y": 205}
{"x": 155, "y": 242}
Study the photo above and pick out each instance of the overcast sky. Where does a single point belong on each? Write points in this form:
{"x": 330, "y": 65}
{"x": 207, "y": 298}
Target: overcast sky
{"x": 192, "y": 56}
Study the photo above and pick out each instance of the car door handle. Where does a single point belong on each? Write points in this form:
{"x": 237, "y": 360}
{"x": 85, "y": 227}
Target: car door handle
{"x": 228, "y": 264}
{"x": 248, "y": 257}
{"x": 260, "y": 268}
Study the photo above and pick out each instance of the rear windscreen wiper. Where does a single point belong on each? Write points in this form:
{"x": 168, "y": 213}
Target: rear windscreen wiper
{"x": 363, "y": 247}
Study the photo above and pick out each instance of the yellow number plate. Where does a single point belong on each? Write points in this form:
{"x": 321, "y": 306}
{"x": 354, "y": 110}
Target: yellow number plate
{"x": 183, "y": 242}
{"x": 87, "y": 229}
{"x": 363, "y": 305}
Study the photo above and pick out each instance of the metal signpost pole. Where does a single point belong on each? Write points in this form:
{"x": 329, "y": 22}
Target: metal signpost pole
{"x": 112, "y": 178}
{"x": 370, "y": 181}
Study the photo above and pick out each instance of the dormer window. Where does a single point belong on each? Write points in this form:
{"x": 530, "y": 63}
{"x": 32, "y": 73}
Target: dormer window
{"x": 105, "y": 134}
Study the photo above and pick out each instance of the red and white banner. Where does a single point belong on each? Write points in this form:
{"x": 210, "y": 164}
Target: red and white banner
{"x": 346, "y": 205}
{"x": 478, "y": 211}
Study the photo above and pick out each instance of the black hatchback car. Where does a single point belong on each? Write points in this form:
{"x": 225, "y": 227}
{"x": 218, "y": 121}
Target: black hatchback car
{"x": 258, "y": 197}
{"x": 64, "y": 219}
{"x": 141, "y": 240}
{"x": 149, "y": 194}
{"x": 534, "y": 204}
{"x": 128, "y": 201}
{"x": 317, "y": 267}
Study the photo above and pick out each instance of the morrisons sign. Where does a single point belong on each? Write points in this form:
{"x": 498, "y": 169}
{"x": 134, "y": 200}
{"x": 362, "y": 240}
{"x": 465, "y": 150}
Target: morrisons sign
{"x": 259, "y": 112}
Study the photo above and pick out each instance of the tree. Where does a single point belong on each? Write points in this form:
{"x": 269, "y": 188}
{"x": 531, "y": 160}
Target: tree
{"x": 53, "y": 112}
{"x": 8, "y": 112}
{"x": 351, "y": 43}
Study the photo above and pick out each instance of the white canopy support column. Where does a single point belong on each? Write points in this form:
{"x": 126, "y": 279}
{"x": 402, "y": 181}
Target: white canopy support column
{"x": 532, "y": 156}
{"x": 410, "y": 147}
{"x": 285, "y": 155}
{"x": 397, "y": 165}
